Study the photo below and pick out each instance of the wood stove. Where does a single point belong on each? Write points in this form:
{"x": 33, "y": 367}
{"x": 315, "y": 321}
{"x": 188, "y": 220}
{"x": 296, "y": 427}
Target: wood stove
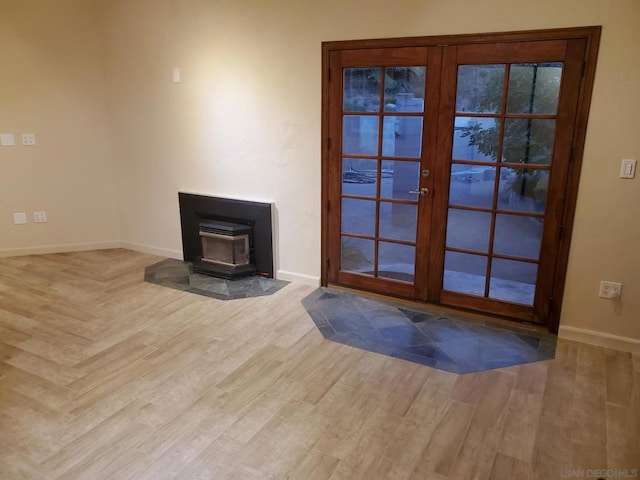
{"x": 226, "y": 249}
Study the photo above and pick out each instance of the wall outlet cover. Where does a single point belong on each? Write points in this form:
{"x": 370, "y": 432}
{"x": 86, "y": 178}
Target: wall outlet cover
{"x": 40, "y": 217}
{"x": 610, "y": 289}
{"x": 28, "y": 139}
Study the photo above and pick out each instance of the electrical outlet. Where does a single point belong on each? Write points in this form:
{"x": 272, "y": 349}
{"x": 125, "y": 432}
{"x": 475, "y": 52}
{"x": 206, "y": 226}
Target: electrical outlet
{"x": 610, "y": 289}
{"x": 28, "y": 139}
{"x": 40, "y": 217}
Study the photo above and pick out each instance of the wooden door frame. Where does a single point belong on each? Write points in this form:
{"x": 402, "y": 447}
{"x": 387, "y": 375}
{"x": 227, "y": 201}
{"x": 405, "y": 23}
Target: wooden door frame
{"x": 590, "y": 34}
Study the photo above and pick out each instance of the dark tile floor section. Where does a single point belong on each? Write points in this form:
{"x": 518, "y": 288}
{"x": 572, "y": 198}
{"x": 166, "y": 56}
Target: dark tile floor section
{"x": 177, "y": 274}
{"x": 439, "y": 340}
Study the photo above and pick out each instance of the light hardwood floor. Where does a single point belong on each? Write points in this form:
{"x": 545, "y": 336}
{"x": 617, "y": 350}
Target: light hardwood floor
{"x": 104, "y": 376}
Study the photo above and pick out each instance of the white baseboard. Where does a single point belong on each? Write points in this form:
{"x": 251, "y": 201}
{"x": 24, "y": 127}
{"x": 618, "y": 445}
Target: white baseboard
{"x": 298, "y": 278}
{"x": 161, "y": 252}
{"x": 64, "y": 248}
{"x": 616, "y": 342}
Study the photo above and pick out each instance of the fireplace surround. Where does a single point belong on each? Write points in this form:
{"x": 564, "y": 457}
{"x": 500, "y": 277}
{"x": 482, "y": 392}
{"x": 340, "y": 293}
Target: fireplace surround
{"x": 232, "y": 216}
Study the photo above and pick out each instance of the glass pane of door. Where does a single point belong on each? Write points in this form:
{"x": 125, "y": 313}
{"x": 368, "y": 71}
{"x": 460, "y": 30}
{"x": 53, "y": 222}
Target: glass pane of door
{"x": 503, "y": 139}
{"x": 382, "y": 140}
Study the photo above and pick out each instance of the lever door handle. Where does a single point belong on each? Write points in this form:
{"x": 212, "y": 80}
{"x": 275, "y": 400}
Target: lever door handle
{"x": 423, "y": 192}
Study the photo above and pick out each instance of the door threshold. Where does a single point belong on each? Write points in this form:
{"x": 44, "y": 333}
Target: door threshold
{"x": 472, "y": 314}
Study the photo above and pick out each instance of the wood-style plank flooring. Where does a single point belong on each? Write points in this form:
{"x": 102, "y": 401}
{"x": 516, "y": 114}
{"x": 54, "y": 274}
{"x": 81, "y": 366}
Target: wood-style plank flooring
{"x": 104, "y": 376}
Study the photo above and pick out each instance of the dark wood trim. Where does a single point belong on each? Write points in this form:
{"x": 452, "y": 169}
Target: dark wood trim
{"x": 440, "y": 199}
{"x": 528, "y": 166}
{"x": 592, "y": 39}
{"x": 429, "y": 157}
{"x": 383, "y": 57}
{"x": 591, "y": 32}
{"x": 379, "y": 284}
{"x": 565, "y": 126}
{"x": 324, "y": 170}
{"x": 332, "y": 165}
{"x": 527, "y": 116}
{"x": 517, "y": 213}
{"x": 501, "y": 211}
{"x": 504, "y": 309}
{"x": 383, "y": 114}
{"x": 384, "y": 157}
{"x": 545, "y": 51}
{"x": 493, "y": 255}
{"x": 381, "y": 239}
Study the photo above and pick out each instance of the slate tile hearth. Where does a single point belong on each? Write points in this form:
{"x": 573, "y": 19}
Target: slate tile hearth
{"x": 178, "y": 275}
{"x": 436, "y": 339}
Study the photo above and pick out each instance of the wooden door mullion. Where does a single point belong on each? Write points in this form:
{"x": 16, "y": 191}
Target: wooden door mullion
{"x": 496, "y": 180}
{"x": 503, "y": 110}
{"x": 376, "y": 234}
{"x": 442, "y": 156}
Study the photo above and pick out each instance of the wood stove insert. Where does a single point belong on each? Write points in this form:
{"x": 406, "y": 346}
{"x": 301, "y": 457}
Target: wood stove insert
{"x": 226, "y": 250}
{"x": 226, "y": 238}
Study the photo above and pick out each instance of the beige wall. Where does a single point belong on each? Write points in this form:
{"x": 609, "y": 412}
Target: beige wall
{"x": 245, "y": 121}
{"x": 52, "y": 84}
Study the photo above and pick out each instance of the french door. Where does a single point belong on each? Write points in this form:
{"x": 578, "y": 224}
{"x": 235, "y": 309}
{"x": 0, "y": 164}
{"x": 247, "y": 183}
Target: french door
{"x": 385, "y": 125}
{"x": 447, "y": 170}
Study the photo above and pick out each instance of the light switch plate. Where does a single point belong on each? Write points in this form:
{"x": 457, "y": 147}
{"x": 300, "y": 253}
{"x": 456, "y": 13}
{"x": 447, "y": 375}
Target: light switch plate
{"x": 176, "y": 75}
{"x": 7, "y": 140}
{"x": 628, "y": 168}
{"x": 19, "y": 218}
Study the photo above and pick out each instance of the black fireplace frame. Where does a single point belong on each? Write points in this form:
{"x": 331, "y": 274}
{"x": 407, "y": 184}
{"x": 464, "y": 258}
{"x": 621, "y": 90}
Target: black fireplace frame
{"x": 194, "y": 208}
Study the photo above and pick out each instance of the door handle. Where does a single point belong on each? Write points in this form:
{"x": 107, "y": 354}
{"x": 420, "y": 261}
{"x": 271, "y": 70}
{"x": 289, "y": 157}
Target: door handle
{"x": 423, "y": 192}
